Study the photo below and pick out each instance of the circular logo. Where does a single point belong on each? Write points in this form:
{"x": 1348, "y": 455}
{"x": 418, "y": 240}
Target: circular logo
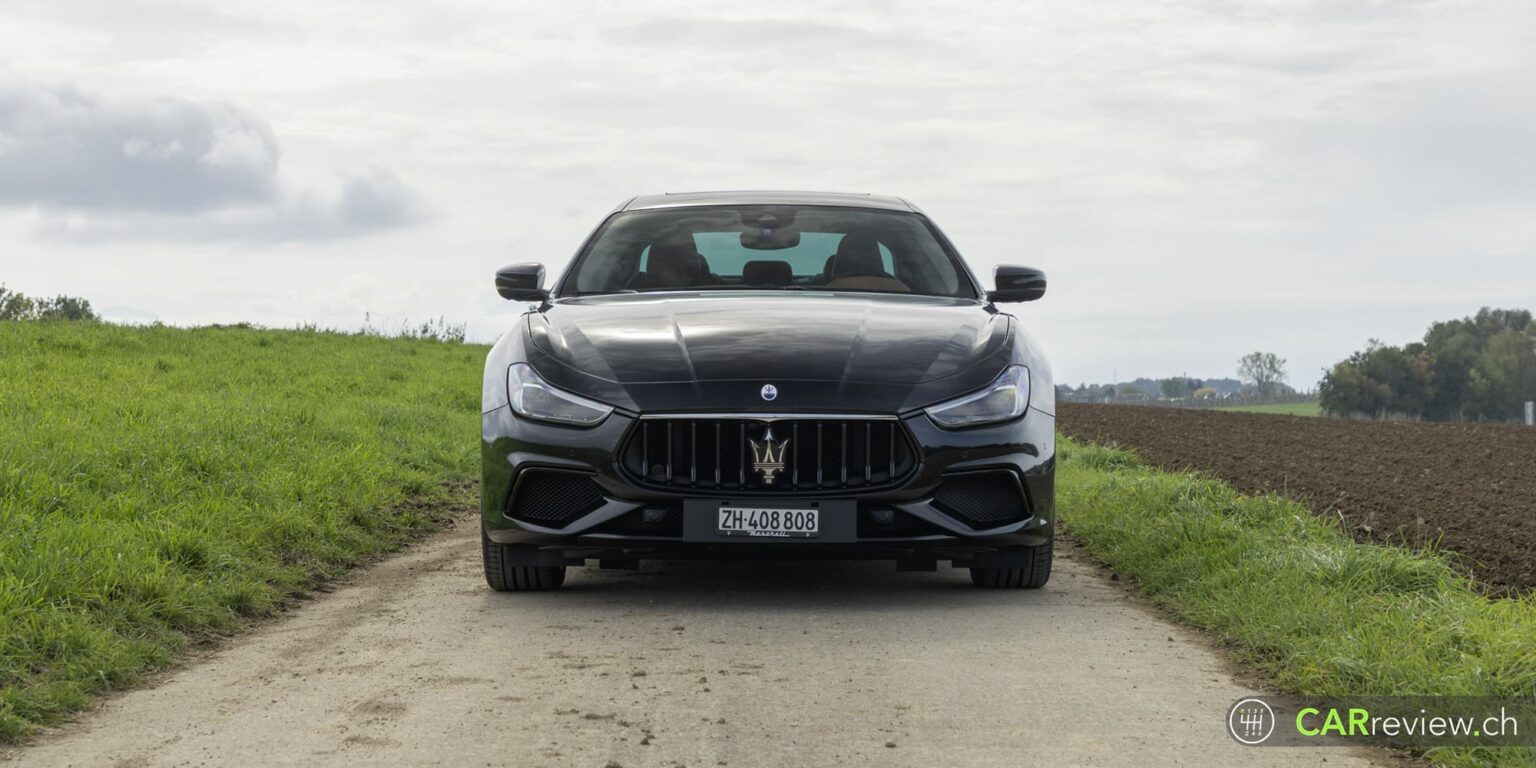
{"x": 770, "y": 391}
{"x": 1251, "y": 721}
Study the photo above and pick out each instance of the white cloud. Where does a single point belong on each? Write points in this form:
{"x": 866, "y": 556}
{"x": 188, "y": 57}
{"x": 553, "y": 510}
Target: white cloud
{"x": 105, "y": 170}
{"x": 365, "y": 203}
{"x": 63, "y": 148}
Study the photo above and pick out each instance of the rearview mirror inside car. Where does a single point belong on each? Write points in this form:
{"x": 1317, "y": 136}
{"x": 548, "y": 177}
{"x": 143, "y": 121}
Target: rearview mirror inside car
{"x": 1017, "y": 284}
{"x": 770, "y": 239}
{"x": 521, "y": 282}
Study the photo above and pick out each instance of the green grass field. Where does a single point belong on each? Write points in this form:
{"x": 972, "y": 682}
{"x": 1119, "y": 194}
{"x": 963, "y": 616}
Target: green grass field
{"x": 159, "y": 485}
{"x": 1288, "y": 409}
{"x": 1295, "y": 597}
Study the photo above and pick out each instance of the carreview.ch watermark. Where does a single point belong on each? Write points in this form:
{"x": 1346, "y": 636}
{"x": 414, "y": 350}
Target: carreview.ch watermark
{"x": 1399, "y": 721}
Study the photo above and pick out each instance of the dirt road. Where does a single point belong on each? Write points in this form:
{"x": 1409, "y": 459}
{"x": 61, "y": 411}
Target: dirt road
{"x": 416, "y": 663}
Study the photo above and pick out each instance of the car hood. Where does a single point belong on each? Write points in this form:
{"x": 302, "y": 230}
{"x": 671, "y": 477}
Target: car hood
{"x": 707, "y": 351}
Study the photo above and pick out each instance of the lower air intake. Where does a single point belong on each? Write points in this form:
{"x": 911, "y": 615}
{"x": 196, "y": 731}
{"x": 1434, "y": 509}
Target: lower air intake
{"x": 553, "y": 498}
{"x": 982, "y": 499}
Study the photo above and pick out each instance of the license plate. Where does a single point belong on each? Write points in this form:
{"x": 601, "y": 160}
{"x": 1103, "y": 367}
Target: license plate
{"x": 769, "y": 523}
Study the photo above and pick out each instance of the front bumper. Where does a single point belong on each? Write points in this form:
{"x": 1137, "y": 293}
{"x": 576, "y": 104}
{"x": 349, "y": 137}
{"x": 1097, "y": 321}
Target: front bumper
{"x": 901, "y": 523}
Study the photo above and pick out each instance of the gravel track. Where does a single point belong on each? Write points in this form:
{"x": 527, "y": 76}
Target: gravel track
{"x": 416, "y": 662}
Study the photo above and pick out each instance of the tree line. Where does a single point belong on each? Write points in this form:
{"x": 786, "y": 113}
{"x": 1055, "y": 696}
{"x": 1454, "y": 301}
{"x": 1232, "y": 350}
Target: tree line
{"x": 1261, "y": 375}
{"x": 1478, "y": 368}
{"x": 19, "y": 306}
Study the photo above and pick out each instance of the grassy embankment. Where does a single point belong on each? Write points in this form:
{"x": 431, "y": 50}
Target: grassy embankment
{"x": 1288, "y": 409}
{"x": 1296, "y": 598}
{"x": 158, "y": 485}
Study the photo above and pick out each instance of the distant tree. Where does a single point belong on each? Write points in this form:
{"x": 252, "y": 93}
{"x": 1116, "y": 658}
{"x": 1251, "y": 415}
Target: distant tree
{"x": 1178, "y": 387}
{"x": 1148, "y": 388}
{"x": 1380, "y": 381}
{"x": 1264, "y": 370}
{"x": 1479, "y": 367}
{"x": 1224, "y": 386}
{"x": 17, "y": 306}
{"x": 65, "y": 308}
{"x": 14, "y": 306}
{"x": 1504, "y": 376}
{"x": 1129, "y": 394}
{"x": 1460, "y": 348}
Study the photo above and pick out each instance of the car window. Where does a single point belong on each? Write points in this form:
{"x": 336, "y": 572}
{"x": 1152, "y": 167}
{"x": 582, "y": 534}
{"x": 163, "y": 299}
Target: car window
{"x": 756, "y": 247}
{"x": 726, "y": 255}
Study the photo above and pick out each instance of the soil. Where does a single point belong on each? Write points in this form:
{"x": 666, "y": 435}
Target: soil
{"x": 1468, "y": 489}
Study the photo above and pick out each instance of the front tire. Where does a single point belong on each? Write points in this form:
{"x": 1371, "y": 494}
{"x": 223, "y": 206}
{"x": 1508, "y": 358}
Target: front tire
{"x": 504, "y": 573}
{"x": 1033, "y": 573}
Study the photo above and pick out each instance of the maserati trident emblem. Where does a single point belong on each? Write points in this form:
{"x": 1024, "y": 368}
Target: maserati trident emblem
{"x": 765, "y": 459}
{"x": 770, "y": 392}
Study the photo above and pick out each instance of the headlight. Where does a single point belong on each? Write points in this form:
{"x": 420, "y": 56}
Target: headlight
{"x": 1003, "y": 400}
{"x": 533, "y": 398}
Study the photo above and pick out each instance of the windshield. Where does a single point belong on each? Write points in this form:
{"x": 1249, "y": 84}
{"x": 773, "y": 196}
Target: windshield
{"x": 759, "y": 247}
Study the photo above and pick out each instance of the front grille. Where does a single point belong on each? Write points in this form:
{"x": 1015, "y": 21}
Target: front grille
{"x": 718, "y": 454}
{"x": 552, "y": 497}
{"x": 982, "y": 499}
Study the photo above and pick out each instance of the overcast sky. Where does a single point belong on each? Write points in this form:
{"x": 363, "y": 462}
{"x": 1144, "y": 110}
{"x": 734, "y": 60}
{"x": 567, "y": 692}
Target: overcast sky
{"x": 1198, "y": 179}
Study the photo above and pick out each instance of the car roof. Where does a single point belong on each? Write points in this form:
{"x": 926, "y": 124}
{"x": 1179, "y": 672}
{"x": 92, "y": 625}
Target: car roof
{"x": 843, "y": 199}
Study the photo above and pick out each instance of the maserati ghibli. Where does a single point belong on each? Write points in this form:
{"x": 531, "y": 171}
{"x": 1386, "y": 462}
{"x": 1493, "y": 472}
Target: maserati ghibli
{"x": 767, "y": 375}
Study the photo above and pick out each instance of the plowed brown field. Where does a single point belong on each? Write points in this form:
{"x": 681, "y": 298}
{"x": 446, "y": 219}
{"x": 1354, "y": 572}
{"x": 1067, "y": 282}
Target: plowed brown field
{"x": 1469, "y": 487}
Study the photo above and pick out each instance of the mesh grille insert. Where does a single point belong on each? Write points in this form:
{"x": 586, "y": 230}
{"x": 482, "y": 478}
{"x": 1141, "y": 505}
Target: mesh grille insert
{"x": 983, "y": 499}
{"x": 553, "y": 498}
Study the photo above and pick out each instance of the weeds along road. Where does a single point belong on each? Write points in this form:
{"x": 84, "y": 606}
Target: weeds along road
{"x": 416, "y": 662}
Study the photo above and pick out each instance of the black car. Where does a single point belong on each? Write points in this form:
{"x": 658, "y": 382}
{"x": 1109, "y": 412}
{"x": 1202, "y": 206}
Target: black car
{"x": 773, "y": 375}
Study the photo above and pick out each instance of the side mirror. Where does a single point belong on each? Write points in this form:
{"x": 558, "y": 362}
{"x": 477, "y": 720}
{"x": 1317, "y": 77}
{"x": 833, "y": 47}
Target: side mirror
{"x": 1016, "y": 284}
{"x": 521, "y": 282}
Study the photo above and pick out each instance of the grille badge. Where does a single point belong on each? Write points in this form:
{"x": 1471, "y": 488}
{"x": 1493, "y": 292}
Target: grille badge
{"x": 764, "y": 460}
{"x": 770, "y": 392}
